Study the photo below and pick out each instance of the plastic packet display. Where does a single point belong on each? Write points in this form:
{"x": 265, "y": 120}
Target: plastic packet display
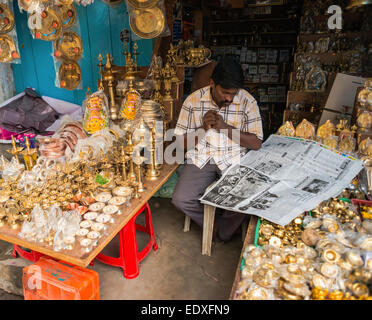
{"x": 96, "y": 112}
{"x": 331, "y": 142}
{"x": 8, "y": 35}
{"x": 149, "y": 22}
{"x": 347, "y": 144}
{"x": 130, "y": 105}
{"x": 13, "y": 170}
{"x": 257, "y": 292}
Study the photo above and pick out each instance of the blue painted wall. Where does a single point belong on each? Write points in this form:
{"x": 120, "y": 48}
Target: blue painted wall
{"x": 100, "y": 27}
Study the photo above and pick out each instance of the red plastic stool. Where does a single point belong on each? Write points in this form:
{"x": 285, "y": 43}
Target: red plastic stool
{"x": 129, "y": 256}
{"x": 33, "y": 256}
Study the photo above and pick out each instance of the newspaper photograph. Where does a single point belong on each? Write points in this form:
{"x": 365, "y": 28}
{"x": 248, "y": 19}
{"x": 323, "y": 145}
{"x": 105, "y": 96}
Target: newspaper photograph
{"x": 286, "y": 177}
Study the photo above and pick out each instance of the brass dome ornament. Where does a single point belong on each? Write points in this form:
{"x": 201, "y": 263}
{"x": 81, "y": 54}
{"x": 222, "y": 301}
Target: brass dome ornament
{"x": 6, "y": 19}
{"x": 8, "y": 49}
{"x": 147, "y": 23}
{"x": 68, "y": 46}
{"x": 69, "y": 75}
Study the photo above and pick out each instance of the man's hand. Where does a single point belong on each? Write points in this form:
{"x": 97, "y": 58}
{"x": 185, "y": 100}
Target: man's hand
{"x": 220, "y": 124}
{"x": 209, "y": 119}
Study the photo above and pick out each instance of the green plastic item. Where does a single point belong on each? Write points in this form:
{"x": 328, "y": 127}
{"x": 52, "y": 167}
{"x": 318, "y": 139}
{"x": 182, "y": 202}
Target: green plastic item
{"x": 256, "y": 233}
{"x": 345, "y": 200}
{"x": 100, "y": 180}
{"x": 242, "y": 264}
{"x": 166, "y": 191}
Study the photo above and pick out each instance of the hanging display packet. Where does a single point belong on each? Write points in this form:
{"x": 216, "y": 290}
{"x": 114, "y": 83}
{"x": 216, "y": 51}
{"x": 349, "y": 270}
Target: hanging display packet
{"x": 68, "y": 49}
{"x": 9, "y": 52}
{"x": 96, "y": 112}
{"x": 147, "y": 19}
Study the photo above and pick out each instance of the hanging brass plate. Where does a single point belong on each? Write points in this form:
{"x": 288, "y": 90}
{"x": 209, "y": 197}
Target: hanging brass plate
{"x": 68, "y": 46}
{"x": 67, "y": 15}
{"x": 141, "y": 4}
{"x": 69, "y": 75}
{"x": 8, "y": 49}
{"x": 6, "y": 19}
{"x": 147, "y": 23}
{"x": 51, "y": 26}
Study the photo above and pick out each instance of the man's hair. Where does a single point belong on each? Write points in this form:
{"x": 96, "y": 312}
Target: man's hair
{"x": 228, "y": 74}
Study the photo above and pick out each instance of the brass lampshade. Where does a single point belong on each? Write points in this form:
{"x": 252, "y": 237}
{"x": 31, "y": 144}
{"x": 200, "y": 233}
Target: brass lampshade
{"x": 358, "y": 3}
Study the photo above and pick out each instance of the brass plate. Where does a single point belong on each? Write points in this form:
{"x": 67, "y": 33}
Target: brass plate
{"x": 69, "y": 75}
{"x": 147, "y": 23}
{"x": 67, "y": 14}
{"x": 68, "y": 46}
{"x": 51, "y": 26}
{"x": 141, "y": 4}
{"x": 6, "y": 19}
{"x": 8, "y": 49}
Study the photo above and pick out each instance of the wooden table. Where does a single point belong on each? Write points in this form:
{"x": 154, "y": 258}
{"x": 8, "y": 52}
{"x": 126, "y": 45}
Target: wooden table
{"x": 76, "y": 256}
{"x": 249, "y": 239}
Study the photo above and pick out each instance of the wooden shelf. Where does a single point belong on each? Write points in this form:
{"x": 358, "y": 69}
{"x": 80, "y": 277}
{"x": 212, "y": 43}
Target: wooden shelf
{"x": 253, "y": 20}
{"x": 257, "y": 46}
{"x": 251, "y": 33}
{"x": 266, "y": 83}
{"x": 316, "y": 36}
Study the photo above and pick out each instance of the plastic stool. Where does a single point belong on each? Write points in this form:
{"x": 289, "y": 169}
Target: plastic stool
{"x": 33, "y": 256}
{"x": 129, "y": 256}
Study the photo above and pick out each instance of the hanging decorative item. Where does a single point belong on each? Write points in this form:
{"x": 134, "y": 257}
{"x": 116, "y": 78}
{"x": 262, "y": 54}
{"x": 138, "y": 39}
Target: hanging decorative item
{"x": 147, "y": 23}
{"x": 68, "y": 46}
{"x": 6, "y": 19}
{"x": 67, "y": 14}
{"x": 50, "y": 25}
{"x": 9, "y": 52}
{"x": 96, "y": 113}
{"x": 69, "y": 75}
{"x": 68, "y": 49}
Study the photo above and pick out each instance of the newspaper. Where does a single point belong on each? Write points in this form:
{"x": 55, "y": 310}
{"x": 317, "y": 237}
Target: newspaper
{"x": 286, "y": 177}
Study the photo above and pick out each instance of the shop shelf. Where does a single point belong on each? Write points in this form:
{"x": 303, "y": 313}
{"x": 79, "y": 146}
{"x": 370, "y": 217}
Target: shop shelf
{"x": 55, "y": 280}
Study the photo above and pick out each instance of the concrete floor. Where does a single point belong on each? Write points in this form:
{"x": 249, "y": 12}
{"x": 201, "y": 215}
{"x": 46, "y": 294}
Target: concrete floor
{"x": 177, "y": 270}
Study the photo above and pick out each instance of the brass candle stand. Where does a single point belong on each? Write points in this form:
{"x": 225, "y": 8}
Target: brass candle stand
{"x": 152, "y": 173}
{"x": 15, "y": 150}
{"x": 109, "y": 77}
{"x": 141, "y": 187}
{"x": 29, "y": 155}
{"x": 129, "y": 152}
{"x": 100, "y": 65}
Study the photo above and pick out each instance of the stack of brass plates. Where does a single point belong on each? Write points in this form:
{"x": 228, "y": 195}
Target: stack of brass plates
{"x": 151, "y": 111}
{"x": 68, "y": 46}
{"x": 147, "y": 23}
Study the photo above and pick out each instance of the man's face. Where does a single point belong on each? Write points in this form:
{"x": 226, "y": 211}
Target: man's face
{"x": 221, "y": 96}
